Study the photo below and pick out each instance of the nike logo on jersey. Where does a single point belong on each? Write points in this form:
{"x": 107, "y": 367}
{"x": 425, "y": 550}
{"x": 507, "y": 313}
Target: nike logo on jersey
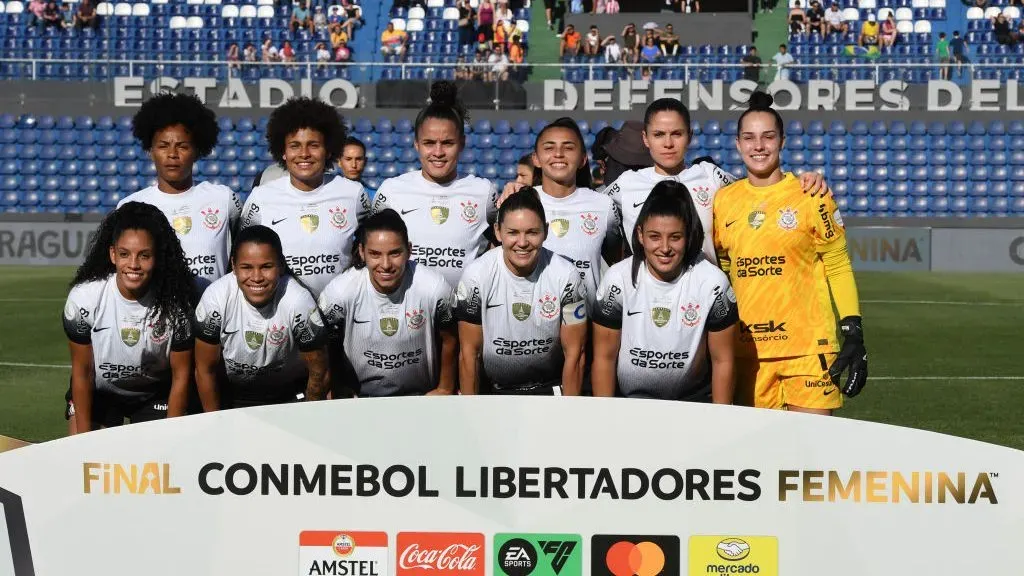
{"x": 354, "y": 321}
{"x": 634, "y": 313}
{"x": 489, "y": 306}
{"x": 727, "y": 224}
{"x": 827, "y": 392}
{"x": 226, "y": 333}
{"x": 404, "y": 212}
{"x": 276, "y": 222}
{"x": 638, "y": 204}
{"x": 100, "y": 329}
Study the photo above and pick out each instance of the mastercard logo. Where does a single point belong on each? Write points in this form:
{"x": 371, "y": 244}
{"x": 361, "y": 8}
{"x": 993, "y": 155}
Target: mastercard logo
{"x": 635, "y": 559}
{"x": 733, "y": 549}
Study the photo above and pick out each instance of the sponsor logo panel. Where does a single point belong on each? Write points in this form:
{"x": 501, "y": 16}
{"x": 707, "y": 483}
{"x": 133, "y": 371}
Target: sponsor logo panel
{"x": 733, "y": 555}
{"x": 343, "y": 553}
{"x": 634, "y": 555}
{"x": 538, "y": 555}
{"x": 448, "y": 553}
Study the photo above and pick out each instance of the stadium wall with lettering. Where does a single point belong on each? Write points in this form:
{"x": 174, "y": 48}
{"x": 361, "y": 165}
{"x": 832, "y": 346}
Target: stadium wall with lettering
{"x": 416, "y": 486}
{"x": 888, "y": 248}
{"x": 970, "y": 250}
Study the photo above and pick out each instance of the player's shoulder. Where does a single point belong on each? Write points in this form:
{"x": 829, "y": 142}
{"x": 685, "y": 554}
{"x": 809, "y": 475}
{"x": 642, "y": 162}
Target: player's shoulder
{"x": 730, "y": 192}
{"x": 485, "y": 266}
{"x": 620, "y": 271}
{"x": 89, "y": 292}
{"x": 426, "y": 280}
{"x": 145, "y": 195}
{"x": 713, "y": 171}
{"x": 474, "y": 184}
{"x": 345, "y": 285}
{"x": 594, "y": 198}
{"x": 705, "y": 271}
{"x": 557, "y": 264}
{"x": 212, "y": 190}
{"x": 344, "y": 186}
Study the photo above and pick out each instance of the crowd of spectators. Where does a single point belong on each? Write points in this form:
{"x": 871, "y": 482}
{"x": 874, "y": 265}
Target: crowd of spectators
{"x": 651, "y": 47}
{"x": 49, "y": 14}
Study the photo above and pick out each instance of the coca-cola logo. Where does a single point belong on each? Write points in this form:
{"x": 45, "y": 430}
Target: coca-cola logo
{"x": 440, "y": 553}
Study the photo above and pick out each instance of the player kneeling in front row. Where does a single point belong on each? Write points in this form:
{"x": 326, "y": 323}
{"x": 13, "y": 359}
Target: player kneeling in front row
{"x": 394, "y": 316}
{"x": 260, "y": 336}
{"x": 784, "y": 252}
{"x": 663, "y": 312}
{"x": 522, "y": 310}
{"x": 127, "y": 318}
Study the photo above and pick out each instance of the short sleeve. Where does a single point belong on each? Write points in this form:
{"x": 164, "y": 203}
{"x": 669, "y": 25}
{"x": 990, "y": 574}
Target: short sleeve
{"x": 608, "y": 310}
{"x": 364, "y": 204}
{"x": 615, "y": 232}
{"x": 331, "y": 303}
{"x": 380, "y": 199}
{"x": 209, "y": 317}
{"x": 719, "y": 177}
{"x": 236, "y": 211}
{"x": 182, "y": 338}
{"x": 468, "y": 300}
{"x": 492, "y": 203}
{"x": 251, "y": 212}
{"x": 444, "y": 298}
{"x": 724, "y": 311}
{"x": 308, "y": 329}
{"x": 574, "y": 301}
{"x": 828, "y": 223}
{"x": 78, "y": 316}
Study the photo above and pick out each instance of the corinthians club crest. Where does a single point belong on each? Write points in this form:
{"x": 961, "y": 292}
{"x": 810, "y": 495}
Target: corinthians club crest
{"x": 339, "y": 217}
{"x": 470, "y": 211}
{"x": 158, "y": 332}
{"x": 691, "y": 314}
{"x": 660, "y": 316}
{"x": 415, "y": 319}
{"x": 548, "y": 306}
{"x": 787, "y": 219}
{"x": 276, "y": 335}
{"x": 702, "y": 194}
{"x": 211, "y": 218}
{"x": 589, "y": 224}
{"x": 521, "y": 311}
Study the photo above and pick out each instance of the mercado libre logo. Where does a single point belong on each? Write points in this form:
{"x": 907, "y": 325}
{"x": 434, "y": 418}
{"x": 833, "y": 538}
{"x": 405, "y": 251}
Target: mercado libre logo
{"x": 733, "y": 555}
{"x": 332, "y": 552}
{"x": 634, "y": 555}
{"x": 538, "y": 555}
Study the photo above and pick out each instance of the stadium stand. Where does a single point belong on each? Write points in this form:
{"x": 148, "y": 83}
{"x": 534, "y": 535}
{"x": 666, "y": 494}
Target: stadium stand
{"x": 64, "y": 164}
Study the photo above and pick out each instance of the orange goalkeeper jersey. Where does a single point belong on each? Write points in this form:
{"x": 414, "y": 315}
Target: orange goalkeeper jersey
{"x": 769, "y": 241}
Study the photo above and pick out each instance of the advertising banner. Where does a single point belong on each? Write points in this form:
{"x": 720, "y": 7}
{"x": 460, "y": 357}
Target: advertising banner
{"x": 972, "y": 250}
{"x": 889, "y": 249}
{"x": 516, "y": 485}
{"x": 45, "y": 243}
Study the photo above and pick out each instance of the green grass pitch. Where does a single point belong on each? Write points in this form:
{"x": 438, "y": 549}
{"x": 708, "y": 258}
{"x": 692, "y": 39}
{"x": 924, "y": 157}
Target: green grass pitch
{"x": 944, "y": 353}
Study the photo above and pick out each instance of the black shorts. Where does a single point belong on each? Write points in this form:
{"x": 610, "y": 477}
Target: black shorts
{"x": 232, "y": 399}
{"x": 109, "y": 410}
{"x": 550, "y": 4}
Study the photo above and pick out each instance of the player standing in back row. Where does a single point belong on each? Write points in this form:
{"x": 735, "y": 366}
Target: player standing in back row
{"x": 448, "y": 214}
{"x": 667, "y": 135}
{"x": 785, "y": 253}
{"x": 176, "y": 130}
{"x": 315, "y": 215}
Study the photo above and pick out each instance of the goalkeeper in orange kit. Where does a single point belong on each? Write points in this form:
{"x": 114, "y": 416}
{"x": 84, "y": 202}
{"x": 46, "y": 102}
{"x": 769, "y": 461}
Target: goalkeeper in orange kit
{"x": 785, "y": 254}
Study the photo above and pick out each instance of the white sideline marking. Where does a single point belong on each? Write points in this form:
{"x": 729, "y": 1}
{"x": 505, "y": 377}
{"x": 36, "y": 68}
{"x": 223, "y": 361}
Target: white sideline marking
{"x": 942, "y": 302}
{"x": 18, "y": 300}
{"x": 31, "y": 365}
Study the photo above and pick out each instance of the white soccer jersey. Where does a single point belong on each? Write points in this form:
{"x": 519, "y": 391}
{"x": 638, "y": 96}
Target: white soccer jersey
{"x": 578, "y": 226}
{"x": 664, "y": 325}
{"x": 522, "y": 317}
{"x": 446, "y": 222}
{"x": 703, "y": 179}
{"x": 261, "y": 346}
{"x": 317, "y": 228}
{"x": 391, "y": 340}
{"x": 203, "y": 216}
{"x": 131, "y": 350}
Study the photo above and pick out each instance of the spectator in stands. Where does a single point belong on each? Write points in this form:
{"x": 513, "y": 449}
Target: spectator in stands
{"x": 1002, "y": 32}
{"x": 782, "y": 61}
{"x": 646, "y": 74}
{"x": 86, "y": 17}
{"x": 816, "y": 18}
{"x": 287, "y": 52}
{"x": 270, "y": 52}
{"x": 352, "y": 161}
{"x": 592, "y": 43}
{"x": 517, "y": 56}
{"x": 504, "y": 15}
{"x": 612, "y": 50}
{"x": 630, "y": 44}
{"x": 549, "y": 7}
{"x": 249, "y": 54}
{"x": 669, "y": 42}
{"x": 889, "y": 34}
{"x": 650, "y": 53}
{"x": 342, "y": 53}
{"x": 466, "y": 18}
{"x": 301, "y": 18}
{"x": 479, "y": 66}
{"x": 869, "y": 35}
{"x": 483, "y": 46}
{"x": 234, "y": 57}
{"x": 335, "y": 15}
{"x": 752, "y": 66}
{"x": 652, "y": 33}
{"x": 499, "y": 64}
{"x": 338, "y": 35}
{"x": 323, "y": 55}
{"x": 611, "y": 7}
{"x": 36, "y": 7}
{"x": 981, "y": 4}
{"x": 942, "y": 53}
{"x": 570, "y": 42}
{"x": 600, "y": 156}
{"x": 691, "y": 6}
{"x": 834, "y": 21}
{"x": 353, "y": 16}
{"x": 52, "y": 16}
{"x": 485, "y": 19}
{"x": 958, "y": 47}
{"x": 319, "y": 19}
{"x": 797, "y": 19}
{"x": 675, "y": 6}
{"x": 392, "y": 42}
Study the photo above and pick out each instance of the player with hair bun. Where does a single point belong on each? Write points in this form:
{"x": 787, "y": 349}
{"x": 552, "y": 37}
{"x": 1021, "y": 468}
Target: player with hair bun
{"x": 177, "y": 130}
{"x": 785, "y": 253}
{"x": 665, "y": 317}
{"x": 522, "y": 311}
{"x": 127, "y": 319}
{"x": 448, "y": 214}
{"x": 315, "y": 215}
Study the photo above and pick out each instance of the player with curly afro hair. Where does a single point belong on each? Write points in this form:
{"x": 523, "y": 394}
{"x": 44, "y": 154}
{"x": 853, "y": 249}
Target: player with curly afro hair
{"x": 176, "y": 130}
{"x": 305, "y": 137}
{"x": 130, "y": 305}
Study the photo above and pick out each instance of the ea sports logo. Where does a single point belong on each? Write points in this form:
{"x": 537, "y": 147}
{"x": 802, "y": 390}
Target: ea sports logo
{"x": 343, "y": 545}
{"x": 517, "y": 557}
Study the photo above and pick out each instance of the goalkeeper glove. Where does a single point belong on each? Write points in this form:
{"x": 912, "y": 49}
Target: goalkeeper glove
{"x": 852, "y": 355}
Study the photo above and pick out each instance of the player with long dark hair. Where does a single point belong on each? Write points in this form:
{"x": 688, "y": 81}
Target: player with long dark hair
{"x": 785, "y": 253}
{"x": 448, "y": 213}
{"x": 127, "y": 322}
{"x": 666, "y": 316}
{"x": 177, "y": 130}
{"x": 522, "y": 311}
{"x": 259, "y": 335}
{"x": 395, "y": 316}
